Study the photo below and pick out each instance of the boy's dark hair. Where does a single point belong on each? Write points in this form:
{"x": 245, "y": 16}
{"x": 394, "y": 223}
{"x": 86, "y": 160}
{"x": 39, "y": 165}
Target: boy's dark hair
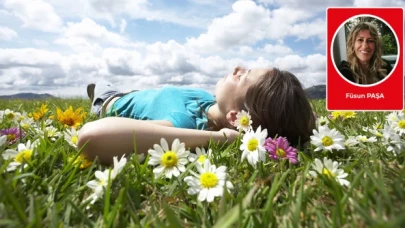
{"x": 278, "y": 103}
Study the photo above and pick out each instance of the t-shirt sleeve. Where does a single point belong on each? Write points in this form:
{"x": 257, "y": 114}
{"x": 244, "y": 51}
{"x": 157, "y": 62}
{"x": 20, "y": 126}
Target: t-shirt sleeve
{"x": 181, "y": 120}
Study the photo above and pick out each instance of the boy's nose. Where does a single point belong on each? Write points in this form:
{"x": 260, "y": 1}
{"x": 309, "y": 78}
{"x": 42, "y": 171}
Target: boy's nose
{"x": 237, "y": 69}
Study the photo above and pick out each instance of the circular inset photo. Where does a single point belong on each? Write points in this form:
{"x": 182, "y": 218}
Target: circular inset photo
{"x": 365, "y": 50}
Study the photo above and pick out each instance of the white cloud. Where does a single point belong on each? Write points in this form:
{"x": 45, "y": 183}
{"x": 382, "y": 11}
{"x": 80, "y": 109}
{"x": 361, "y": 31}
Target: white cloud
{"x": 42, "y": 43}
{"x": 122, "y": 62}
{"x": 87, "y": 35}
{"x": 117, "y": 6}
{"x": 312, "y": 5}
{"x": 123, "y": 25}
{"x": 7, "y": 33}
{"x": 251, "y": 36}
{"x": 245, "y": 25}
{"x": 35, "y": 14}
{"x": 306, "y": 30}
{"x": 250, "y": 23}
{"x": 170, "y": 57}
{"x": 310, "y": 70}
{"x": 28, "y": 57}
{"x": 278, "y": 50}
{"x": 378, "y": 3}
{"x": 84, "y": 63}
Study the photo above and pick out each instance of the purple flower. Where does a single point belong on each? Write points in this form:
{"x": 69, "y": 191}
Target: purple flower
{"x": 280, "y": 149}
{"x": 13, "y": 134}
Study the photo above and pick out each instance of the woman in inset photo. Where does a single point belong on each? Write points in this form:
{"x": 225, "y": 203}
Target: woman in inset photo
{"x": 364, "y": 63}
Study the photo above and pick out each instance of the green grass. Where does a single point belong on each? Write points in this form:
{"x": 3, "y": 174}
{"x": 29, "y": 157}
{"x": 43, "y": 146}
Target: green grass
{"x": 52, "y": 191}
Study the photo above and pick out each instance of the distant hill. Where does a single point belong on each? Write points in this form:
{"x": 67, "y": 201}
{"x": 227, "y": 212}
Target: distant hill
{"x": 316, "y": 92}
{"x": 27, "y": 96}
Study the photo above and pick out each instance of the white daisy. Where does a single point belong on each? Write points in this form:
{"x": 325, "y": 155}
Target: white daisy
{"x": 51, "y": 132}
{"x": 22, "y": 155}
{"x": 392, "y": 117}
{"x": 26, "y": 122}
{"x": 364, "y": 139}
{"x": 102, "y": 178}
{"x": 392, "y": 140}
{"x": 10, "y": 115}
{"x": 351, "y": 141}
{"x": 327, "y": 139}
{"x": 252, "y": 146}
{"x": 118, "y": 166}
{"x": 3, "y": 139}
{"x": 71, "y": 136}
{"x": 209, "y": 183}
{"x": 200, "y": 155}
{"x": 243, "y": 121}
{"x": 375, "y": 130}
{"x": 321, "y": 121}
{"x": 99, "y": 185}
{"x": 171, "y": 162}
{"x": 399, "y": 124}
{"x": 330, "y": 169}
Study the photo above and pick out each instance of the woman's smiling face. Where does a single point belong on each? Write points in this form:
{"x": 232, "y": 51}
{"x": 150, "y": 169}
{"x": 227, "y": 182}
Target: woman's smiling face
{"x": 364, "y": 46}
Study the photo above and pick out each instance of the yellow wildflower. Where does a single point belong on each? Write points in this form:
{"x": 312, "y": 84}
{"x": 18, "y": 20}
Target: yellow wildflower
{"x": 348, "y": 114}
{"x": 84, "y": 163}
{"x": 342, "y": 115}
{"x": 69, "y": 117}
{"x": 40, "y": 113}
{"x": 335, "y": 115}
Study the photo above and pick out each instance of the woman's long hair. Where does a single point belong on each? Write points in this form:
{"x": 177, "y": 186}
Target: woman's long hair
{"x": 371, "y": 75}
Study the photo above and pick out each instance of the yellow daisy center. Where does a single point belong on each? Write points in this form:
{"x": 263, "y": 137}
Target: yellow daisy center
{"x": 327, "y": 141}
{"x": 69, "y": 121}
{"x": 11, "y": 137}
{"x": 202, "y": 158}
{"x": 327, "y": 173}
{"x": 25, "y": 126}
{"x": 10, "y": 116}
{"x": 169, "y": 159}
{"x": 74, "y": 140}
{"x": 244, "y": 121}
{"x": 252, "y": 145}
{"x": 209, "y": 180}
{"x": 23, "y": 155}
{"x": 401, "y": 124}
{"x": 280, "y": 153}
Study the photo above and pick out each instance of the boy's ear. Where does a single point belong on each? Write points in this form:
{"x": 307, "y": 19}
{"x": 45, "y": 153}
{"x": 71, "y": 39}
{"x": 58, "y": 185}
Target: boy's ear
{"x": 231, "y": 117}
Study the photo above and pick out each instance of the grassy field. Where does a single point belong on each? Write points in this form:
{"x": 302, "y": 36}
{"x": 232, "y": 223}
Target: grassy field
{"x": 53, "y": 186}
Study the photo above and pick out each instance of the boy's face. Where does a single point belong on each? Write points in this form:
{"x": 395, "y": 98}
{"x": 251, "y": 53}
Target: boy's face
{"x": 233, "y": 87}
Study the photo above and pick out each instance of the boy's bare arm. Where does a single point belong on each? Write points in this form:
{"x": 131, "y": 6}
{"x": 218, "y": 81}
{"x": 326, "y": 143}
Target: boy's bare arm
{"x": 114, "y": 136}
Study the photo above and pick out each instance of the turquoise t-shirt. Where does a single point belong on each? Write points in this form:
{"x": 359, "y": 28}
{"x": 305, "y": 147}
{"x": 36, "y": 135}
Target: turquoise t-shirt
{"x": 181, "y": 106}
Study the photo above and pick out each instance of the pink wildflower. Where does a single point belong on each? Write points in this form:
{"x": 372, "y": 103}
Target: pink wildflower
{"x": 279, "y": 148}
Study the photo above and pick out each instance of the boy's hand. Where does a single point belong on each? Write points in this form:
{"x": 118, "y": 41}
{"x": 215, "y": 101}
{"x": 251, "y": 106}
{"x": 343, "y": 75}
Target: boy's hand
{"x": 230, "y": 134}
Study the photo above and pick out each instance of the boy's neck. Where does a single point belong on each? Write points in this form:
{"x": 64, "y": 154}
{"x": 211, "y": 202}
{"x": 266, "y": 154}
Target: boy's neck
{"x": 215, "y": 114}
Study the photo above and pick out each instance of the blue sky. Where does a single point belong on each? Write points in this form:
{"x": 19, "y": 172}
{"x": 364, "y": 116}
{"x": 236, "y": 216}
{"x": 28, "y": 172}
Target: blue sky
{"x": 59, "y": 46}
